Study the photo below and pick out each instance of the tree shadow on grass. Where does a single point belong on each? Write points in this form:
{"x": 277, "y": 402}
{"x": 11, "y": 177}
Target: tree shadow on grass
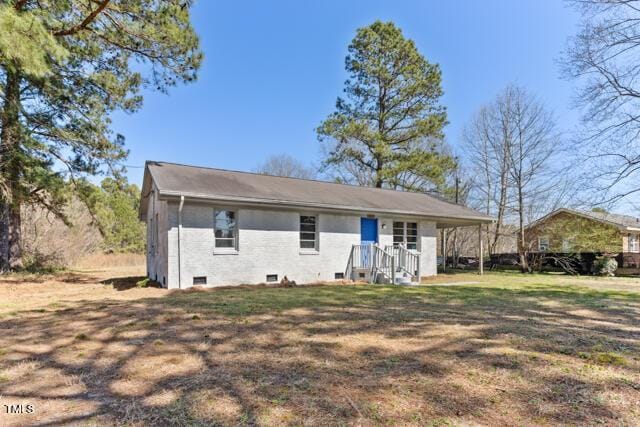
{"x": 333, "y": 354}
{"x": 129, "y": 282}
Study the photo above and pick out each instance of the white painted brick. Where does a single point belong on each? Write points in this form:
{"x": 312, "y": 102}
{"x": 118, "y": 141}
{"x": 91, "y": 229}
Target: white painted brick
{"x": 268, "y": 243}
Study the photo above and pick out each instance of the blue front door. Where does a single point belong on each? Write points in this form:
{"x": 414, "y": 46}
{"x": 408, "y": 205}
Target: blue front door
{"x": 368, "y": 231}
{"x": 368, "y": 236}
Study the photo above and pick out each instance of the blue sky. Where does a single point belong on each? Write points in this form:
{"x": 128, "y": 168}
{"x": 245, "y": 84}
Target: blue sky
{"x": 272, "y": 72}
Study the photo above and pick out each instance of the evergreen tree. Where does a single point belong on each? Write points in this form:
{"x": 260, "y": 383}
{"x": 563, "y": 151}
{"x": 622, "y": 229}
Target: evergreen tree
{"x": 114, "y": 207}
{"x": 65, "y": 65}
{"x": 388, "y": 130}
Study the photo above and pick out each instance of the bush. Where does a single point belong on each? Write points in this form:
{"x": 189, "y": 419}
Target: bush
{"x": 606, "y": 266}
{"x": 144, "y": 283}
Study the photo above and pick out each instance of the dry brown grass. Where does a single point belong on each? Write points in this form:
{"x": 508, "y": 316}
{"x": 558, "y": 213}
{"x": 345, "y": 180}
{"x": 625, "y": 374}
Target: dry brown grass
{"x": 538, "y": 350}
{"x": 101, "y": 260}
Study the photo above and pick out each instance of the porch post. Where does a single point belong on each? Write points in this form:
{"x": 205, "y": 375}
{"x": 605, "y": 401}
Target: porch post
{"x": 393, "y": 270}
{"x": 480, "y": 251}
{"x": 444, "y": 250}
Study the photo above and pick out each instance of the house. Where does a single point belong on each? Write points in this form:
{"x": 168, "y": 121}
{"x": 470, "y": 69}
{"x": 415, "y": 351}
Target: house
{"x": 568, "y": 231}
{"x": 219, "y": 227}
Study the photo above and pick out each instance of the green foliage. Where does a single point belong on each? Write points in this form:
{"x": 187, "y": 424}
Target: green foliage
{"x": 144, "y": 283}
{"x": 606, "y": 266}
{"x": 603, "y": 358}
{"x": 65, "y": 66}
{"x": 388, "y": 130}
{"x": 114, "y": 206}
{"x": 584, "y": 235}
{"x": 26, "y": 43}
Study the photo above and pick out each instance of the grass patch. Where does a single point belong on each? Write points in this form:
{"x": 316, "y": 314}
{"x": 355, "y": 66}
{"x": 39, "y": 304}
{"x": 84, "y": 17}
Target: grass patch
{"x": 506, "y": 350}
{"x": 603, "y": 358}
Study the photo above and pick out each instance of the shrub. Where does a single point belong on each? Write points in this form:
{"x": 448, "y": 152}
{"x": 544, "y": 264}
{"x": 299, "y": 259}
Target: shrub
{"x": 606, "y": 266}
{"x": 144, "y": 283}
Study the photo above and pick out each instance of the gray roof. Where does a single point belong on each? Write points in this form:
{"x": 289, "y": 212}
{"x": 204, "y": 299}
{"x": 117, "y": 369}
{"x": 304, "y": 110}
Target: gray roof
{"x": 174, "y": 180}
{"x": 624, "y": 222}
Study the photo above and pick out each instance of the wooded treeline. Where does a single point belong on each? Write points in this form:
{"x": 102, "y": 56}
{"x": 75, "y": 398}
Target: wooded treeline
{"x": 97, "y": 219}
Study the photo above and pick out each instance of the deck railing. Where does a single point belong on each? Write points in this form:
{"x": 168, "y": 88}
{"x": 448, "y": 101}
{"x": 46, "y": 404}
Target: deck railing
{"x": 406, "y": 261}
{"x": 373, "y": 258}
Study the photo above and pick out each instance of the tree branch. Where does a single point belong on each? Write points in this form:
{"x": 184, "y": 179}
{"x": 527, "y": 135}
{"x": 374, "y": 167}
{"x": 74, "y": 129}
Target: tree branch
{"x": 88, "y": 20}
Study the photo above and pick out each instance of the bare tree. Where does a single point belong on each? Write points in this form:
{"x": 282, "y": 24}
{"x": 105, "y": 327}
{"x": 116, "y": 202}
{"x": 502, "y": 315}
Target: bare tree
{"x": 513, "y": 145}
{"x": 487, "y": 139}
{"x": 285, "y": 165}
{"x": 605, "y": 57}
{"x": 531, "y": 147}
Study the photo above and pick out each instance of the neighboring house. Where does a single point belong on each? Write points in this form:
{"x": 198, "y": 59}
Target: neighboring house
{"x": 567, "y": 231}
{"x": 217, "y": 227}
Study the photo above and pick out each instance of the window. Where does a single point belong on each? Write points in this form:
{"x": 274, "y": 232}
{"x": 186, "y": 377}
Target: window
{"x": 272, "y": 277}
{"x": 543, "y": 244}
{"x": 405, "y": 233}
{"x": 308, "y": 233}
{"x": 339, "y": 276}
{"x": 200, "y": 280}
{"x": 634, "y": 243}
{"x": 225, "y": 229}
{"x": 567, "y": 245}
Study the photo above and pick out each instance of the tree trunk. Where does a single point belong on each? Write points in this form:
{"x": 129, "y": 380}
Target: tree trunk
{"x": 10, "y": 242}
{"x": 522, "y": 252}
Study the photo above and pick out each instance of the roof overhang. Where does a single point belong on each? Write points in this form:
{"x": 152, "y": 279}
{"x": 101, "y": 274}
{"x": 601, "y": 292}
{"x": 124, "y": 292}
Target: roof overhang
{"x": 441, "y": 221}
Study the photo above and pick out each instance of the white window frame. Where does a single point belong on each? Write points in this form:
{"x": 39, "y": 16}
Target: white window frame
{"x": 634, "y": 243}
{"x": 540, "y": 244}
{"x": 316, "y": 240}
{"x": 225, "y": 249}
{"x": 405, "y": 234}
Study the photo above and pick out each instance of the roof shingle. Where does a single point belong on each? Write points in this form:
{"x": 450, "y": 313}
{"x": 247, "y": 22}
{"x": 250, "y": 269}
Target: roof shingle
{"x": 218, "y": 184}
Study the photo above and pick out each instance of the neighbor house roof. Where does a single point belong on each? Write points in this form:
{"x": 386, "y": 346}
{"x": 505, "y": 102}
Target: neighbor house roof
{"x": 624, "y": 222}
{"x": 173, "y": 180}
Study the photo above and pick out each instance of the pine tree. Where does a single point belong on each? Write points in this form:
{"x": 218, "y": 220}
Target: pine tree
{"x": 388, "y": 131}
{"x": 65, "y": 66}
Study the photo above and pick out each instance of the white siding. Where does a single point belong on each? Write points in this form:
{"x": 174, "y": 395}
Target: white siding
{"x": 157, "y": 256}
{"x": 268, "y": 243}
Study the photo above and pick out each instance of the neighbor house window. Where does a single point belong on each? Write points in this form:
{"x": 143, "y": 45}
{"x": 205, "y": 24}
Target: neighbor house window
{"x": 634, "y": 243}
{"x": 543, "y": 244}
{"x": 406, "y": 234}
{"x": 225, "y": 229}
{"x": 308, "y": 232}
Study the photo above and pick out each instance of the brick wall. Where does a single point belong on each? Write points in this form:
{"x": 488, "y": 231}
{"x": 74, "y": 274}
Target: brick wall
{"x": 268, "y": 243}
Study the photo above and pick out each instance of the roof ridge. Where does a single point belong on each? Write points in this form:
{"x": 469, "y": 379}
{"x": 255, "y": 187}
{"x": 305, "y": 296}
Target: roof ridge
{"x": 438, "y": 197}
{"x": 607, "y": 214}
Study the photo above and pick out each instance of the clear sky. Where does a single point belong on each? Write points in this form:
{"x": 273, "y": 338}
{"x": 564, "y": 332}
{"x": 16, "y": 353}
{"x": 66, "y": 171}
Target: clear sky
{"x": 273, "y": 69}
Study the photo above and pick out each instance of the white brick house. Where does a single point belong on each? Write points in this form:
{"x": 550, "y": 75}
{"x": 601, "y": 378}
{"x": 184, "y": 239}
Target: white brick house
{"x": 216, "y": 227}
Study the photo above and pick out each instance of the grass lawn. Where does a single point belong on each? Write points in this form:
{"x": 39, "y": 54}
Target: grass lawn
{"x": 506, "y": 349}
